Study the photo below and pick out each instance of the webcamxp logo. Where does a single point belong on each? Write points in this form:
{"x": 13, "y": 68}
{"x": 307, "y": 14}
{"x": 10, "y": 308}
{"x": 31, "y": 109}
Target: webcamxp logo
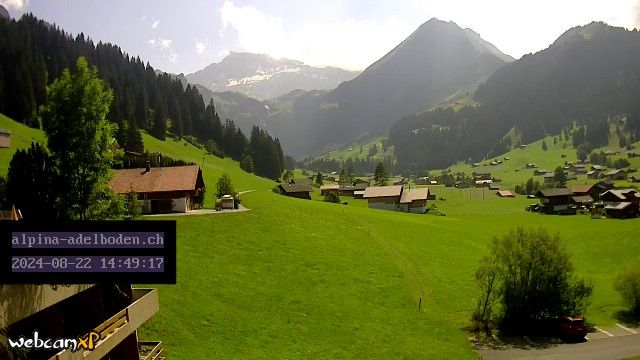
{"x": 87, "y": 342}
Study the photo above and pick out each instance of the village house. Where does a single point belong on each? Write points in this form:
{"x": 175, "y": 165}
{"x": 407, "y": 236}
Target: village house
{"x": 593, "y": 174}
{"x": 584, "y": 195}
{"x": 538, "y": 172}
{"x": 424, "y": 180}
{"x": 349, "y": 190}
{"x": 397, "y": 198}
{"x": 621, "y": 203}
{"x": 483, "y": 183}
{"x": 578, "y": 169}
{"x": 481, "y": 176}
{"x": 548, "y": 178}
{"x": 555, "y": 201}
{"x": 300, "y": 191}
{"x": 617, "y": 174}
{"x": 161, "y": 189}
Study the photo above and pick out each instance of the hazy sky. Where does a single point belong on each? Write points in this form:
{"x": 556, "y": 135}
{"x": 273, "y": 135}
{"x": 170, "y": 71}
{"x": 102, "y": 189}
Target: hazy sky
{"x": 184, "y": 36}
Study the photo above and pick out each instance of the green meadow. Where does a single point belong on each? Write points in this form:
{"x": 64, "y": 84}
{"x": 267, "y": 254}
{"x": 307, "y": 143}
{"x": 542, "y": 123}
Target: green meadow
{"x": 307, "y": 279}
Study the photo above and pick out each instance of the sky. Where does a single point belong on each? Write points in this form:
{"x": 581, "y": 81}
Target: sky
{"x": 185, "y": 36}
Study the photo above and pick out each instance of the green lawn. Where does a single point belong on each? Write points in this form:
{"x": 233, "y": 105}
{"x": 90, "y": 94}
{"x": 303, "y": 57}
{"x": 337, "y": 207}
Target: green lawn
{"x": 307, "y": 279}
{"x": 21, "y": 138}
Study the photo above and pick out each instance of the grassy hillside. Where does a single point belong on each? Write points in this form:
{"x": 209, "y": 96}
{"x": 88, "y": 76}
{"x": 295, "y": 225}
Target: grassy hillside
{"x": 353, "y": 150}
{"x": 306, "y": 279}
{"x": 21, "y": 138}
{"x": 513, "y": 171}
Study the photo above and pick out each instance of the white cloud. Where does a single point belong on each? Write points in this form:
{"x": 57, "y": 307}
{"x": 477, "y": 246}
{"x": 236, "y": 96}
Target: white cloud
{"x": 173, "y": 57}
{"x": 348, "y": 44}
{"x": 165, "y": 44}
{"x": 152, "y": 42}
{"x": 201, "y": 47}
{"x": 155, "y": 24}
{"x": 15, "y": 4}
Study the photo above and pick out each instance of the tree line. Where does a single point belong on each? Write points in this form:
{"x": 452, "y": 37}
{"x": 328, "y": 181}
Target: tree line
{"x": 33, "y": 53}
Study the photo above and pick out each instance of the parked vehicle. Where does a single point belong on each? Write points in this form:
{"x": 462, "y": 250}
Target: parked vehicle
{"x": 573, "y": 328}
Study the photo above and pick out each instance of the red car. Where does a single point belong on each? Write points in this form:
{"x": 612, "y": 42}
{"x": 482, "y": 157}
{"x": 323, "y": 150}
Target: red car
{"x": 573, "y": 327}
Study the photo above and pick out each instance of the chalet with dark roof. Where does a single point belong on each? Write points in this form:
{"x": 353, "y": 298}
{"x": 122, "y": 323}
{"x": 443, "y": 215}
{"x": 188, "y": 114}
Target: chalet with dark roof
{"x": 300, "y": 191}
{"x": 161, "y": 189}
{"x": 555, "y": 201}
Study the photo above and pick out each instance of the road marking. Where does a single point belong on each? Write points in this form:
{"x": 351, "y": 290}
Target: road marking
{"x": 626, "y": 328}
{"x": 606, "y": 332}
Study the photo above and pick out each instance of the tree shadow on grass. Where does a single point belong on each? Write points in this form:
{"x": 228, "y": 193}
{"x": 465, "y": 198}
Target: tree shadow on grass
{"x": 628, "y": 318}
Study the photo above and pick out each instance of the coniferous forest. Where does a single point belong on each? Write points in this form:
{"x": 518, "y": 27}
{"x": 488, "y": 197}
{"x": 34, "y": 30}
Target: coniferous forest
{"x": 33, "y": 53}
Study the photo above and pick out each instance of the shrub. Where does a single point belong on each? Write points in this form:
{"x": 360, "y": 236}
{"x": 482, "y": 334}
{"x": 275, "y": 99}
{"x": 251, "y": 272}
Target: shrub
{"x": 528, "y": 272}
{"x": 627, "y": 284}
{"x": 332, "y": 197}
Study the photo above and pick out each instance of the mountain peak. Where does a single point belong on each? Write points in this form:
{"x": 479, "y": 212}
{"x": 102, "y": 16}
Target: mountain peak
{"x": 584, "y": 32}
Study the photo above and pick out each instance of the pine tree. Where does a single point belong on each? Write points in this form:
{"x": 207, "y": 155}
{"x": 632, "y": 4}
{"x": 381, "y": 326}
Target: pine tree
{"x": 380, "y": 176}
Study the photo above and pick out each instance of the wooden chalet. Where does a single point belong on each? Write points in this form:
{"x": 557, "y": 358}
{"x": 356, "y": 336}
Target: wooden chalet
{"x": 621, "y": 203}
{"x": 397, "y": 198}
{"x": 481, "y": 175}
{"x": 617, "y": 174}
{"x": 324, "y": 189}
{"x": 555, "y": 201}
{"x": 591, "y": 190}
{"x": 161, "y": 189}
{"x": 300, "y": 191}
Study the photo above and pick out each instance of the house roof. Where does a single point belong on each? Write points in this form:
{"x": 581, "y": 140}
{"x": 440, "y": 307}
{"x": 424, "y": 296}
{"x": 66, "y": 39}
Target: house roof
{"x": 622, "y": 194}
{"x": 504, "y": 193}
{"x": 358, "y": 192}
{"x": 157, "y": 179}
{"x": 293, "y": 188}
{"x": 598, "y": 167}
{"x": 303, "y": 181}
{"x": 582, "y": 199}
{"x": 329, "y": 187}
{"x": 382, "y": 191}
{"x": 581, "y": 189}
{"x": 358, "y": 186}
{"x": 548, "y": 175}
{"x": 483, "y": 182}
{"x": 617, "y": 206}
{"x": 613, "y": 172}
{"x": 554, "y": 192}
{"x": 411, "y": 195}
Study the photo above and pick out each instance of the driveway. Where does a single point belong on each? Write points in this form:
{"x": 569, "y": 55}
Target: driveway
{"x": 615, "y": 342}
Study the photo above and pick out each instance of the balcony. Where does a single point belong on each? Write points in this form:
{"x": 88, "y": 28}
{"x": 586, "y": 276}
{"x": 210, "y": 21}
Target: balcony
{"x": 150, "y": 350}
{"x": 114, "y": 330}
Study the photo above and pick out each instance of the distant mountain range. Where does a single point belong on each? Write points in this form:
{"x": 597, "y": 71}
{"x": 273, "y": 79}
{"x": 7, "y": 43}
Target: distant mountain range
{"x": 438, "y": 60}
{"x": 588, "y": 75}
{"x": 263, "y": 77}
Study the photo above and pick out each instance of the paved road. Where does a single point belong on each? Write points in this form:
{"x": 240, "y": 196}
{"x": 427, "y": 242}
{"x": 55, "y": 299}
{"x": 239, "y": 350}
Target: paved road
{"x": 616, "y": 347}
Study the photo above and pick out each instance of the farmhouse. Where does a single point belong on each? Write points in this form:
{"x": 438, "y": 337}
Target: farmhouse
{"x": 424, "y": 180}
{"x": 555, "y": 200}
{"x": 586, "y": 190}
{"x": 161, "y": 189}
{"x": 548, "y": 177}
{"x": 397, "y": 198}
{"x": 300, "y": 191}
{"x": 5, "y": 138}
{"x": 593, "y": 174}
{"x": 621, "y": 203}
{"x": 483, "y": 183}
{"x": 349, "y": 190}
{"x": 303, "y": 181}
{"x": 481, "y": 176}
{"x": 617, "y": 174}
{"x": 578, "y": 169}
